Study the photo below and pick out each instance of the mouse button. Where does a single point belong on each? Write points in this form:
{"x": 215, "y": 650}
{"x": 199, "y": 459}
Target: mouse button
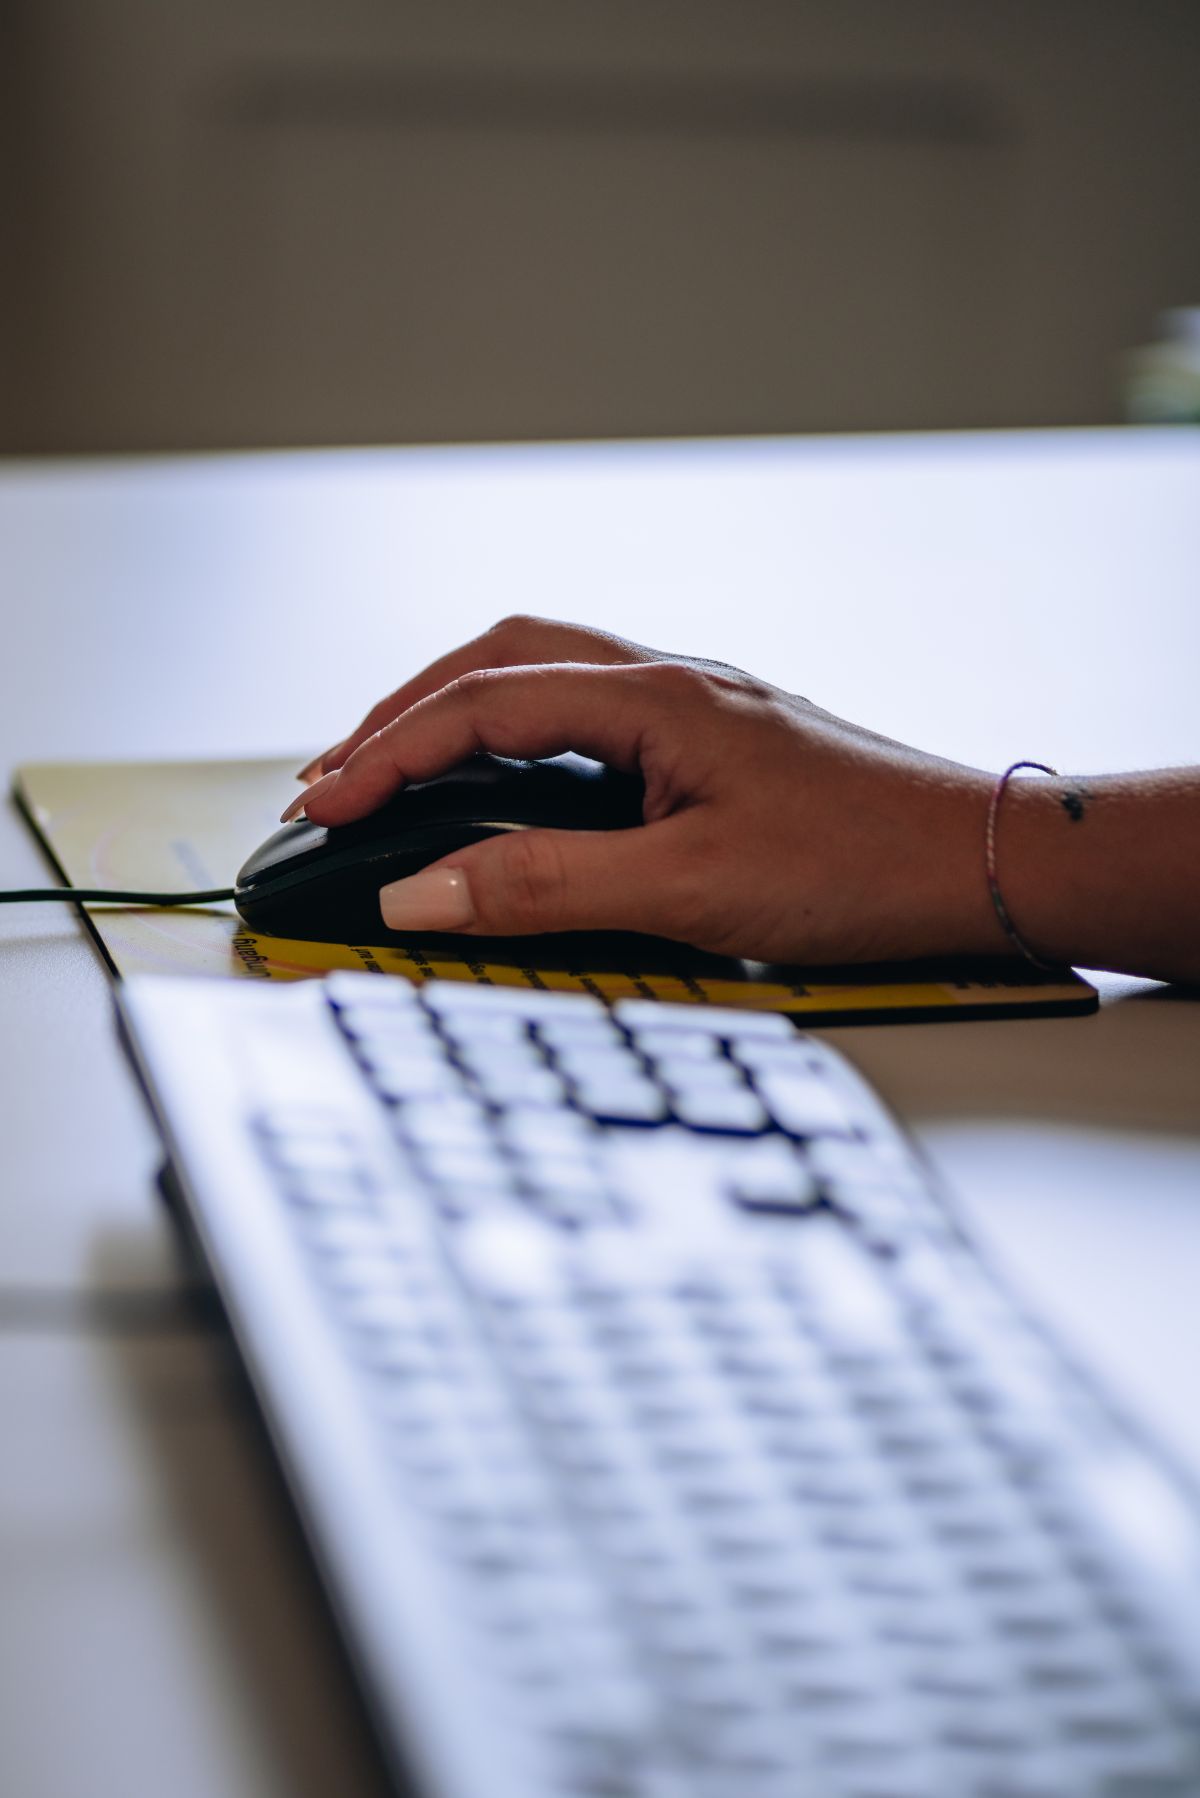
{"x": 294, "y": 843}
{"x": 482, "y": 786}
{"x": 480, "y": 770}
{"x": 567, "y": 791}
{"x": 619, "y": 799}
{"x": 586, "y": 795}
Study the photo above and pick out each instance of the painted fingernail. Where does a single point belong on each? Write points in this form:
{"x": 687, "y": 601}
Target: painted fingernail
{"x": 311, "y": 769}
{"x": 434, "y": 899}
{"x": 302, "y": 800}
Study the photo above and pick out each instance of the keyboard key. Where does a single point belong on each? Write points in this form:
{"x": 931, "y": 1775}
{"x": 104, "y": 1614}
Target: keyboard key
{"x": 988, "y": 1729}
{"x": 621, "y": 1101}
{"x": 395, "y": 1032}
{"x": 754, "y": 1753}
{"x": 846, "y": 1166}
{"x": 874, "y": 1739}
{"x": 885, "y": 1534}
{"x": 755, "y": 1319}
{"x": 1152, "y": 1769}
{"x": 725, "y": 1022}
{"x": 606, "y": 1064}
{"x": 729, "y": 1112}
{"x": 804, "y": 1105}
{"x": 914, "y": 1777}
{"x": 361, "y": 1271}
{"x": 574, "y": 1207}
{"x": 535, "y": 1130}
{"x": 839, "y": 1680}
{"x": 490, "y": 1053}
{"x": 665, "y": 1045}
{"x": 795, "y": 1055}
{"x": 972, "y": 1675}
{"x": 1051, "y": 1613}
{"x": 584, "y": 1028}
{"x": 282, "y": 1122}
{"x": 843, "y": 1292}
{"x": 455, "y": 999}
{"x": 485, "y": 1029}
{"x": 941, "y": 1629}
{"x": 532, "y": 1086}
{"x": 451, "y": 1120}
{"x": 390, "y": 1023}
{"x": 1108, "y": 1716}
{"x": 329, "y": 1234}
{"x": 710, "y": 1492}
{"x": 316, "y": 1153}
{"x": 467, "y": 1167}
{"x": 770, "y": 1178}
{"x": 565, "y": 1168}
{"x": 657, "y": 1363}
{"x": 658, "y": 1410}
{"x": 401, "y": 1079}
{"x": 1086, "y": 1661}
{"x": 681, "y": 1074}
{"x": 711, "y": 1699}
{"x": 887, "y": 1580}
{"x": 328, "y": 1189}
{"x": 346, "y": 990}
{"x": 691, "y": 1640}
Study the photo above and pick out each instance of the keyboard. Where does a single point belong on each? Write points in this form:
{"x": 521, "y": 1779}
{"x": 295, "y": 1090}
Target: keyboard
{"x": 657, "y": 1430}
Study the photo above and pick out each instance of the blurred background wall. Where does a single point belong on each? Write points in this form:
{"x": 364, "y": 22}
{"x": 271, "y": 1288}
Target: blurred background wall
{"x": 244, "y": 222}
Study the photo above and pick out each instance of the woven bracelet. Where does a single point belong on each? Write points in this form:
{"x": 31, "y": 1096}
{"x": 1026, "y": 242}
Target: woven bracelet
{"x": 1010, "y": 930}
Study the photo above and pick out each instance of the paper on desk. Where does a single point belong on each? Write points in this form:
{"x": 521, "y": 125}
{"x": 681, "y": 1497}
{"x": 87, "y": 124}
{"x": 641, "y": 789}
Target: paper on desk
{"x": 190, "y": 825}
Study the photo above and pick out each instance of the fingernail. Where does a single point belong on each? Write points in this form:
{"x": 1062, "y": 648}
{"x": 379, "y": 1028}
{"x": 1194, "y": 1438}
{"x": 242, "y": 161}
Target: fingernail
{"x": 434, "y": 899}
{"x": 297, "y": 807}
{"x": 322, "y": 761}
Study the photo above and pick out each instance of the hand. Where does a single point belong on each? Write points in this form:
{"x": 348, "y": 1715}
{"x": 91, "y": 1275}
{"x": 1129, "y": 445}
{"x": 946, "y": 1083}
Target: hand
{"x": 772, "y": 829}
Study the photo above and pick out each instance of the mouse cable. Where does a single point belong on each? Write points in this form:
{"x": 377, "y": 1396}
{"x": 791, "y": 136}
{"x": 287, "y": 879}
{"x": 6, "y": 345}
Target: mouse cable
{"x": 75, "y": 895}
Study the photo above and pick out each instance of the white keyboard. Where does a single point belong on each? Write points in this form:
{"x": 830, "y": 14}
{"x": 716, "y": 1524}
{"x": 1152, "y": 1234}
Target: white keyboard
{"x": 656, "y": 1429}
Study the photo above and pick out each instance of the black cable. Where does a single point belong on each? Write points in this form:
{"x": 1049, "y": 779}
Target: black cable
{"x": 29, "y": 895}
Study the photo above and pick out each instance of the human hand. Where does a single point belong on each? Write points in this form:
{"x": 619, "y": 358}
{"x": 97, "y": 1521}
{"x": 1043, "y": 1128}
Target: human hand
{"x": 772, "y": 829}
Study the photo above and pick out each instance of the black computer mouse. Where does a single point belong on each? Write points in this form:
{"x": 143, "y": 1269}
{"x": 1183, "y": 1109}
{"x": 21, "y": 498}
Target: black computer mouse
{"x": 323, "y": 883}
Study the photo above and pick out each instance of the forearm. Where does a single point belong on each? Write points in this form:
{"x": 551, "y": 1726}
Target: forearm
{"x": 1104, "y": 871}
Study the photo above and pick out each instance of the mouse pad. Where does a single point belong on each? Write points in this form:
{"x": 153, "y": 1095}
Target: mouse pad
{"x": 190, "y": 825}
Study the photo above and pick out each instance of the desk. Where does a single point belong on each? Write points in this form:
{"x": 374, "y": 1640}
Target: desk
{"x": 986, "y": 597}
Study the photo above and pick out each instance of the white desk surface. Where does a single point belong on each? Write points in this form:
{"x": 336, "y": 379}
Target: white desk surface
{"x": 987, "y": 597}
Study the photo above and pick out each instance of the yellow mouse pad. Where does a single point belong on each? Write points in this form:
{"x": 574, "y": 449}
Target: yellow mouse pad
{"x": 190, "y": 825}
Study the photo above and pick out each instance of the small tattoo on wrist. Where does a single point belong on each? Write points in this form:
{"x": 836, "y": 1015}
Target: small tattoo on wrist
{"x": 1074, "y": 802}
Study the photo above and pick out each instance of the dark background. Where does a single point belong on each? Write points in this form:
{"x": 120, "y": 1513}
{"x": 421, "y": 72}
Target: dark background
{"x": 244, "y": 222}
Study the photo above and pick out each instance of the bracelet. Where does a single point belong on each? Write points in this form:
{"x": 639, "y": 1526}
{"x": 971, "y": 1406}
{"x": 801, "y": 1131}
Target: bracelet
{"x": 1006, "y": 922}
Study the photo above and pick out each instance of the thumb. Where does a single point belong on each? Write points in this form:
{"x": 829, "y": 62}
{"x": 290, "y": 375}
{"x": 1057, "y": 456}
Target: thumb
{"x": 525, "y": 882}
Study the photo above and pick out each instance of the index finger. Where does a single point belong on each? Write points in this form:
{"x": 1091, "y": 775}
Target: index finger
{"x": 513, "y": 642}
{"x": 538, "y": 711}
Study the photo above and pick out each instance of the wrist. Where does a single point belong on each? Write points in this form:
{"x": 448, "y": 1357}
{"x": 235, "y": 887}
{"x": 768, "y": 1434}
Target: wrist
{"x": 960, "y": 864}
{"x": 1016, "y": 939}
{"x": 1101, "y": 871}
{"x": 1036, "y": 869}
{"x": 949, "y": 910}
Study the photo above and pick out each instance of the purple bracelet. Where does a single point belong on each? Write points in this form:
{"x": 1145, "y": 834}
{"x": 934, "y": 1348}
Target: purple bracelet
{"x": 1014, "y": 937}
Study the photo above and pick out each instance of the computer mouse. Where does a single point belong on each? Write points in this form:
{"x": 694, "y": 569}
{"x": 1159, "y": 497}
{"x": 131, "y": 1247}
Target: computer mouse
{"x": 322, "y": 883}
